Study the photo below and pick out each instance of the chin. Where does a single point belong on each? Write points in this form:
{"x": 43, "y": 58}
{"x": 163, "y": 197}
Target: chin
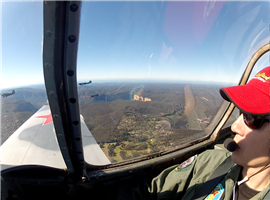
{"x": 236, "y": 158}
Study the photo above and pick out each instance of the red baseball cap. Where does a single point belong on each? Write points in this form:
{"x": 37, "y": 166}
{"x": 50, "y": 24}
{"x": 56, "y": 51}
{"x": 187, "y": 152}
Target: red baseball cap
{"x": 252, "y": 98}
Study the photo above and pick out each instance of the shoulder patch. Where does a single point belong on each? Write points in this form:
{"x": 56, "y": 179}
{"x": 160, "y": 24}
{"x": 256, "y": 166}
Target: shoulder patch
{"x": 185, "y": 164}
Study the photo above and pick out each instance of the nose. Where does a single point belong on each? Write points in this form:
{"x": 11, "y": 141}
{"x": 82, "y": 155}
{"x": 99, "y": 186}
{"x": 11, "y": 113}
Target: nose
{"x": 237, "y": 127}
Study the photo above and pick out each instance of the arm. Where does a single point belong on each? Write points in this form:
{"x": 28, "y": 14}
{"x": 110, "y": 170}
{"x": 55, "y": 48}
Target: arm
{"x": 178, "y": 181}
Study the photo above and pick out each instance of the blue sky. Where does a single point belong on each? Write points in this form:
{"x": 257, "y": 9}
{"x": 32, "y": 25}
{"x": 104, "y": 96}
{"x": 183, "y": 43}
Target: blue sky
{"x": 197, "y": 41}
{"x": 21, "y": 43}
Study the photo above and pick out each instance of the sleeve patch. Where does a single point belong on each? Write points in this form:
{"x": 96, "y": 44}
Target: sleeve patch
{"x": 185, "y": 164}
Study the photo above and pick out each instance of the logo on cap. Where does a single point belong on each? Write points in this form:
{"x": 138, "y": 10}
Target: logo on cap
{"x": 262, "y": 76}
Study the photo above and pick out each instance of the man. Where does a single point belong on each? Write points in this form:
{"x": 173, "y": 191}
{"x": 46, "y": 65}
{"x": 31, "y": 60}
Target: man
{"x": 252, "y": 133}
{"x": 248, "y": 178}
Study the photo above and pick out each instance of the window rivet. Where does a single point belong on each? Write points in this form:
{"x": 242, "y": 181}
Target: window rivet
{"x": 74, "y": 7}
{"x": 72, "y": 38}
{"x": 47, "y": 65}
{"x": 47, "y": 2}
{"x": 49, "y": 33}
{"x": 51, "y": 92}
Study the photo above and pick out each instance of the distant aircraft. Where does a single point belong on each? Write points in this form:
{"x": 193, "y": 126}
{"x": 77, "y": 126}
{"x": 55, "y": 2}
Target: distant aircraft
{"x": 168, "y": 114}
{"x": 85, "y": 83}
{"x": 94, "y": 95}
{"x": 8, "y": 94}
{"x": 204, "y": 120}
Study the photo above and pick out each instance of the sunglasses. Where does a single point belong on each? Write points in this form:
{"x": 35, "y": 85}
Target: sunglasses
{"x": 255, "y": 121}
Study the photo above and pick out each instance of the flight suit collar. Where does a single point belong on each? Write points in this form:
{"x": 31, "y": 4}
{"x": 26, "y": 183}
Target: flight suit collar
{"x": 263, "y": 194}
{"x": 231, "y": 179}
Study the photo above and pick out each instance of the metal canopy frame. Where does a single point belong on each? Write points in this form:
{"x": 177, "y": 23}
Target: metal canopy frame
{"x": 60, "y": 45}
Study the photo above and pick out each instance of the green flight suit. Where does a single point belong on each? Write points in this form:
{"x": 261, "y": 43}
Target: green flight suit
{"x": 177, "y": 183}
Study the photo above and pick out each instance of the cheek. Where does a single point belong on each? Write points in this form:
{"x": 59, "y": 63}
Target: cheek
{"x": 250, "y": 146}
{"x": 253, "y": 147}
{"x": 257, "y": 147}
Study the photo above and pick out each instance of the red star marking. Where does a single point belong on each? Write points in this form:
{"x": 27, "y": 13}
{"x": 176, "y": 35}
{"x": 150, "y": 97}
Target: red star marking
{"x": 47, "y": 117}
{"x": 215, "y": 192}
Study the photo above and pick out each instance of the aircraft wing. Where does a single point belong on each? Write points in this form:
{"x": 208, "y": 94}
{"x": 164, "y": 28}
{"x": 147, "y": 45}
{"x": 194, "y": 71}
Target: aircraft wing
{"x": 35, "y": 143}
{"x": 93, "y": 154}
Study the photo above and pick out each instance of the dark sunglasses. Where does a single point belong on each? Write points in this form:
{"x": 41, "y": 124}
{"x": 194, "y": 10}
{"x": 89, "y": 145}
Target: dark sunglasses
{"x": 255, "y": 121}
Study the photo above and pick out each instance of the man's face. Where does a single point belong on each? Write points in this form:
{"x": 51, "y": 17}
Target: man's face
{"x": 253, "y": 144}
